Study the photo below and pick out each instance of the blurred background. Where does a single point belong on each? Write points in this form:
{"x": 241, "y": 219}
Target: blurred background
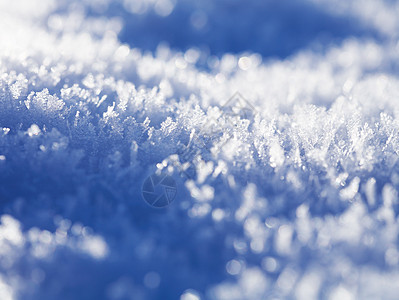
{"x": 300, "y": 202}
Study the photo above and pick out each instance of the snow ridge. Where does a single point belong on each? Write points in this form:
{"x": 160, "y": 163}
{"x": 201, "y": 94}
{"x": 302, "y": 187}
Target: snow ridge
{"x": 288, "y": 190}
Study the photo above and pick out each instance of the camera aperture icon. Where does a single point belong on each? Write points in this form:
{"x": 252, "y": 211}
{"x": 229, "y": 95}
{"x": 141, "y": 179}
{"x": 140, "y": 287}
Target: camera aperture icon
{"x": 159, "y": 190}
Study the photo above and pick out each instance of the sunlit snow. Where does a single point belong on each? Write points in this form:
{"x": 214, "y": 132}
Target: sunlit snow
{"x": 278, "y": 122}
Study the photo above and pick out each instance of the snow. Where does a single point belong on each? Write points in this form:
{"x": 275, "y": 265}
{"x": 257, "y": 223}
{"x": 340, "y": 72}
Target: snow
{"x": 278, "y": 123}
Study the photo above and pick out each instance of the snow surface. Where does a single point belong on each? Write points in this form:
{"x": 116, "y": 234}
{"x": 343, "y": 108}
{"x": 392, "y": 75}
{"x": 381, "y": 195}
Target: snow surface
{"x": 298, "y": 199}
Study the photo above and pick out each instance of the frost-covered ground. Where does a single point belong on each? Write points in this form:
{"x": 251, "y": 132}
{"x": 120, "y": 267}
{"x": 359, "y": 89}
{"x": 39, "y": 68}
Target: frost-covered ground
{"x": 297, "y": 198}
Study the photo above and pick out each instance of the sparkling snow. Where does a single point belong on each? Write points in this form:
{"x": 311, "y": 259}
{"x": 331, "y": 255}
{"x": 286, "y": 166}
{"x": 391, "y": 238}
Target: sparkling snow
{"x": 288, "y": 191}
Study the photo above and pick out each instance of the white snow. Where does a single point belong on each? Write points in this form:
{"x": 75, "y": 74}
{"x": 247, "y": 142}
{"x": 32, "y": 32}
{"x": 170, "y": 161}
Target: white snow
{"x": 290, "y": 192}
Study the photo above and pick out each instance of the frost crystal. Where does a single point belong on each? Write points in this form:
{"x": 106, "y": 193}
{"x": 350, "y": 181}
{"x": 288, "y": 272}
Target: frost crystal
{"x": 279, "y": 142}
